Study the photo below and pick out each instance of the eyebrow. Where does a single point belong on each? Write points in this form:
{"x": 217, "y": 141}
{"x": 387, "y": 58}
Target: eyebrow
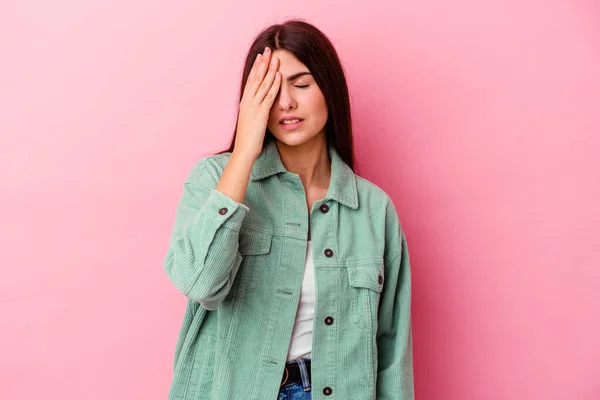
{"x": 297, "y": 75}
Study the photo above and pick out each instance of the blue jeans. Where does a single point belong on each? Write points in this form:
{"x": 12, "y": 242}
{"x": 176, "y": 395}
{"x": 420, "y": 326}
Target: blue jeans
{"x": 298, "y": 390}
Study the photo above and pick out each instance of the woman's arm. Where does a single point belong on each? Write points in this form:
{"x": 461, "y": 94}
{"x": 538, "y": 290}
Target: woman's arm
{"x": 394, "y": 334}
{"x": 202, "y": 259}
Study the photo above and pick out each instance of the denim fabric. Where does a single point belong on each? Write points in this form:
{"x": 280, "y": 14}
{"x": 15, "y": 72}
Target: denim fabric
{"x": 294, "y": 391}
{"x": 298, "y": 390}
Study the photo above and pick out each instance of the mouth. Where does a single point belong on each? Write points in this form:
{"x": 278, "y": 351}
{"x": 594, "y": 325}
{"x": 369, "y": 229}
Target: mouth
{"x": 290, "y": 119}
{"x": 290, "y": 124}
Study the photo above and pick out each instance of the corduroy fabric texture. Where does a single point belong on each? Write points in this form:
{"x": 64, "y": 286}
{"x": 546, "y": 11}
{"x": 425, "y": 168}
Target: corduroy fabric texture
{"x": 241, "y": 266}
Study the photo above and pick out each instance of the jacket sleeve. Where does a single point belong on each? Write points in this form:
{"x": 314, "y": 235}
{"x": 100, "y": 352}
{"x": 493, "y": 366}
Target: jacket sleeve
{"x": 394, "y": 332}
{"x": 203, "y": 258}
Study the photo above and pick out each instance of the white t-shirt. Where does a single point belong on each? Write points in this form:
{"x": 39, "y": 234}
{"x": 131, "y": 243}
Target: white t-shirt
{"x": 301, "y": 342}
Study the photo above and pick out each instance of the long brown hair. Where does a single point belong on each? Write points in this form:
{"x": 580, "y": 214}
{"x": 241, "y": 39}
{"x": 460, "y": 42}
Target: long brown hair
{"x": 314, "y": 49}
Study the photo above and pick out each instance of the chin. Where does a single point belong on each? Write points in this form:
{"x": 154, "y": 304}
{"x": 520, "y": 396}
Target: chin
{"x": 294, "y": 138}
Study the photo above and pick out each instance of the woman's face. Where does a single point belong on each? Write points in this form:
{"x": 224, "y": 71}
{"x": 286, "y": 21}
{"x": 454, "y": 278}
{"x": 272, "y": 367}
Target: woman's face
{"x": 299, "y": 96}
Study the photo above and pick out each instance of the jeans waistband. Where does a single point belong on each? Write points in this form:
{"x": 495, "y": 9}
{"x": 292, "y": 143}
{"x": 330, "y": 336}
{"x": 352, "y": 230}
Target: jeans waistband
{"x": 301, "y": 362}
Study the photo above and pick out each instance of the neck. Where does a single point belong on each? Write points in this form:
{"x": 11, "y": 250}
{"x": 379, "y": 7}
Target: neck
{"x": 309, "y": 160}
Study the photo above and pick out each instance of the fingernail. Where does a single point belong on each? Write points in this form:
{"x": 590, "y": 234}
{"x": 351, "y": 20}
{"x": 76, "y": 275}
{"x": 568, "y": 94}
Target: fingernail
{"x": 267, "y": 50}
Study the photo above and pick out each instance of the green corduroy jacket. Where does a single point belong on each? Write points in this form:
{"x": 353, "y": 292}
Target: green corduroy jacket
{"x": 241, "y": 268}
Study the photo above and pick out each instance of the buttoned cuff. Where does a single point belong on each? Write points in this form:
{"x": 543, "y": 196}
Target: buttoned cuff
{"x": 227, "y": 211}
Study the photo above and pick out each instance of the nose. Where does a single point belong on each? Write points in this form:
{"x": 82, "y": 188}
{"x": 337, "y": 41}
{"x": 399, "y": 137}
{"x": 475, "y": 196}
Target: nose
{"x": 285, "y": 100}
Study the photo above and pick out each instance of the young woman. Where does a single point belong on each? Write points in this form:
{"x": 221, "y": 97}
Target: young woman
{"x": 295, "y": 268}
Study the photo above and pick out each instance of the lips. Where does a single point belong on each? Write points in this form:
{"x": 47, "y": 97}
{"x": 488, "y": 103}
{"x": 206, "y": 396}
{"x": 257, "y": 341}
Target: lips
{"x": 291, "y": 126}
{"x": 290, "y": 118}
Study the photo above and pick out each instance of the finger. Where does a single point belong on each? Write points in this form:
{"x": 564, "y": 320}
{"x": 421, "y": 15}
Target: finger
{"x": 268, "y": 81}
{"x": 261, "y": 70}
{"x": 272, "y": 93}
{"x": 252, "y": 74}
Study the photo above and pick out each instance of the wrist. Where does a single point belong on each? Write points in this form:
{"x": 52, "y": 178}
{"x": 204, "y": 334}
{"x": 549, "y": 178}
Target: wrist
{"x": 244, "y": 158}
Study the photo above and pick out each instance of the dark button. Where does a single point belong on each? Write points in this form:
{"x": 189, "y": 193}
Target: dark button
{"x": 327, "y": 390}
{"x": 329, "y": 320}
{"x": 380, "y": 279}
{"x": 223, "y": 211}
{"x": 324, "y": 208}
{"x": 329, "y": 252}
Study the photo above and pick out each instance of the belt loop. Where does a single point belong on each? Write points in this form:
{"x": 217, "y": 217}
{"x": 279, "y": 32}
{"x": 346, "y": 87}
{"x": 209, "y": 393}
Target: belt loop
{"x": 304, "y": 374}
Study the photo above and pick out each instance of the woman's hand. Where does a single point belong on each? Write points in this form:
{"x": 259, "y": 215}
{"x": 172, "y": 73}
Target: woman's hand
{"x": 259, "y": 94}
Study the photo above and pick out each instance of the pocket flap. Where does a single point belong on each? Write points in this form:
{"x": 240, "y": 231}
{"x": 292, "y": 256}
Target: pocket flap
{"x": 253, "y": 242}
{"x": 367, "y": 276}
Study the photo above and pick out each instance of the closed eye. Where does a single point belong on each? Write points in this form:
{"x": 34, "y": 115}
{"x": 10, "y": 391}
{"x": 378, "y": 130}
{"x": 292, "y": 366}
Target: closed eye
{"x": 301, "y": 86}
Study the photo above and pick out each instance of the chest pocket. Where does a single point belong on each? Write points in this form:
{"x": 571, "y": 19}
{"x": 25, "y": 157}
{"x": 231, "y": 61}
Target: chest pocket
{"x": 254, "y": 247}
{"x": 366, "y": 283}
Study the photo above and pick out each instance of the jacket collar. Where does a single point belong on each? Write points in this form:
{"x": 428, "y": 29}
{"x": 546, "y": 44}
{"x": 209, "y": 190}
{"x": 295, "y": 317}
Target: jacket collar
{"x": 342, "y": 185}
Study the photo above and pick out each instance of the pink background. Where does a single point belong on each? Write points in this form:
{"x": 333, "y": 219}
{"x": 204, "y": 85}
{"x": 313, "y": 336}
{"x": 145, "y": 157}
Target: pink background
{"x": 480, "y": 118}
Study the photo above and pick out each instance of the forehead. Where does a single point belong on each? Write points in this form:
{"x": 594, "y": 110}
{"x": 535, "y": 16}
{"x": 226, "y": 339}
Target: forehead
{"x": 288, "y": 63}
